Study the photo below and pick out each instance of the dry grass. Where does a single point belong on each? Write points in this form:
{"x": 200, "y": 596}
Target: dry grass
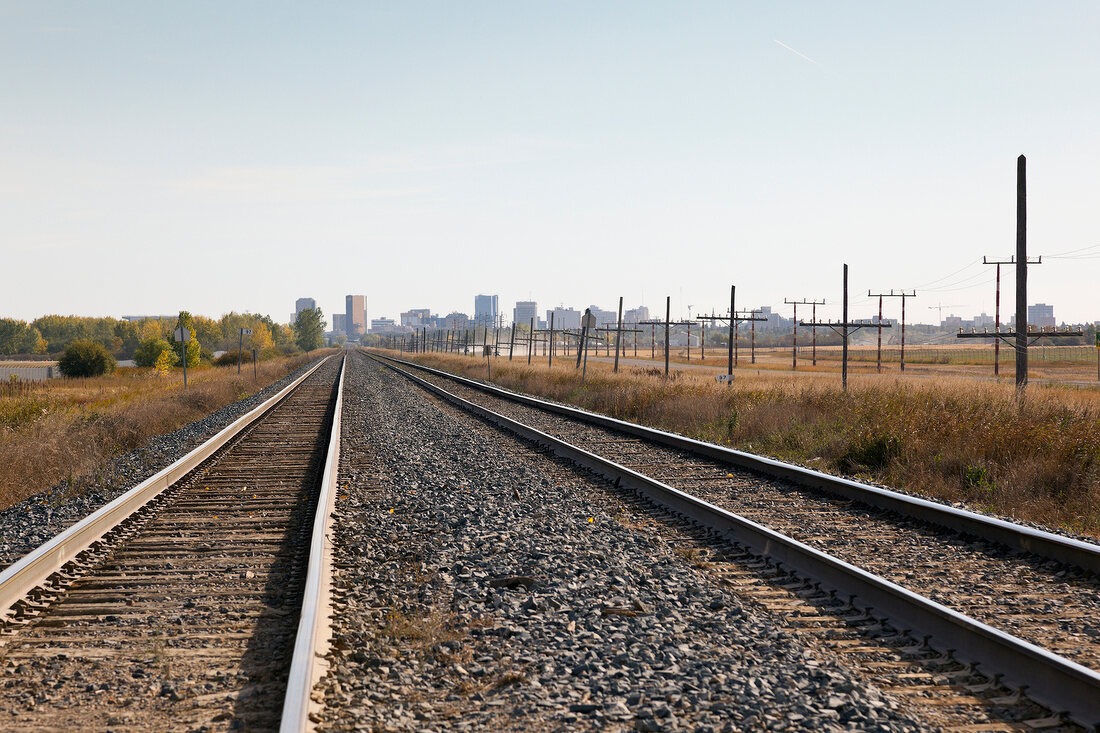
{"x": 66, "y": 430}
{"x": 953, "y": 438}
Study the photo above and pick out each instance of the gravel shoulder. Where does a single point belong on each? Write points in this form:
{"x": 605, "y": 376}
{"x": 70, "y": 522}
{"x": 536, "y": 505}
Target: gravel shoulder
{"x": 483, "y": 585}
{"x": 26, "y": 525}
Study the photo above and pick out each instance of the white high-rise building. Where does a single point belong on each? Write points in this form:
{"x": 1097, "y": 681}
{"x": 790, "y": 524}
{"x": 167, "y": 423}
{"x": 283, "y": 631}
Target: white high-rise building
{"x": 524, "y": 311}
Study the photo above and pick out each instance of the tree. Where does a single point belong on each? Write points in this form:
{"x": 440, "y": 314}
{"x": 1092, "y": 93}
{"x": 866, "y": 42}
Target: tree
{"x": 165, "y": 361}
{"x": 309, "y": 329}
{"x": 84, "y": 358}
{"x": 208, "y": 332}
{"x": 149, "y": 351}
{"x": 185, "y": 320}
{"x": 17, "y": 337}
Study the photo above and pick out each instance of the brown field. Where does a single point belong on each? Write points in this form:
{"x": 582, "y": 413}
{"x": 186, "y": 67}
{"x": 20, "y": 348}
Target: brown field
{"x": 941, "y": 434}
{"x": 65, "y": 430}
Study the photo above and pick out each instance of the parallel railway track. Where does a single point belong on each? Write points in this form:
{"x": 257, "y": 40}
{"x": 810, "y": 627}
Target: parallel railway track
{"x": 183, "y": 611}
{"x": 1019, "y": 615}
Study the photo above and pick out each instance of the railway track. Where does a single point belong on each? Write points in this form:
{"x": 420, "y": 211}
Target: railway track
{"x": 183, "y": 610}
{"x": 1020, "y": 616}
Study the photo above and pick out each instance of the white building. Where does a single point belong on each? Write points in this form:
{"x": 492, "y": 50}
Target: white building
{"x": 525, "y": 311}
{"x": 565, "y": 318}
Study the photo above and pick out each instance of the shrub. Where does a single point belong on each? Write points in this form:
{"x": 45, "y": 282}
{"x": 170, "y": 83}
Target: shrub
{"x": 229, "y": 358}
{"x": 86, "y": 359}
{"x": 149, "y": 350}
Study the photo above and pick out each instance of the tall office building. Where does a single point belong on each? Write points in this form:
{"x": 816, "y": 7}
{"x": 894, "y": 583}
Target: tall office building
{"x": 486, "y": 310}
{"x": 1041, "y": 315}
{"x": 300, "y": 305}
{"x": 355, "y": 315}
{"x": 524, "y": 311}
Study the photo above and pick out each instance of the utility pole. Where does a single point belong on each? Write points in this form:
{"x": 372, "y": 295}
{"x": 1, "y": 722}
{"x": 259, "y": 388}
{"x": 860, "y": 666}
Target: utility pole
{"x": 733, "y": 319}
{"x": 1021, "y": 273}
{"x": 530, "y": 340}
{"x": 1022, "y": 333}
{"x": 619, "y": 334}
{"x": 843, "y": 327}
{"x": 997, "y": 309}
{"x": 796, "y": 303}
{"x": 899, "y": 294}
{"x": 550, "y": 365}
{"x": 668, "y": 317}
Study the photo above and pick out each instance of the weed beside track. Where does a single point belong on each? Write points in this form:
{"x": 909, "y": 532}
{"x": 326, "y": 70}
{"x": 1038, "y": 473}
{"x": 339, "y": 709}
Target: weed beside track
{"x": 958, "y": 440}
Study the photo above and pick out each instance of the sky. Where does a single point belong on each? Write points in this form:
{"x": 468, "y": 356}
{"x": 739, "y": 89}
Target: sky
{"x": 216, "y": 156}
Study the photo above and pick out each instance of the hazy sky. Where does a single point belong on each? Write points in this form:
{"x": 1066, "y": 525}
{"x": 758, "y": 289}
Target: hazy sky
{"x": 217, "y": 156}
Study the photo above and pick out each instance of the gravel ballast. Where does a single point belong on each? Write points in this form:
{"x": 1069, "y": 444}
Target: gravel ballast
{"x": 484, "y": 585}
{"x": 26, "y": 525}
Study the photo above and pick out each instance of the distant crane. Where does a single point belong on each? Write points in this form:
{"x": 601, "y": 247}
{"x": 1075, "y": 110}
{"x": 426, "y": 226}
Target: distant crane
{"x": 940, "y": 306}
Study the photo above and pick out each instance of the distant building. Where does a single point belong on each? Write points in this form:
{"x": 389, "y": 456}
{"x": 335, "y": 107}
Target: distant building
{"x": 339, "y": 323}
{"x": 952, "y": 323}
{"x": 636, "y": 315}
{"x": 984, "y": 321}
{"x": 300, "y": 305}
{"x": 524, "y": 311}
{"x": 416, "y": 317}
{"x": 1041, "y": 315}
{"x": 383, "y": 325}
{"x": 455, "y": 320}
{"x": 139, "y": 319}
{"x": 565, "y": 318}
{"x": 355, "y": 315}
{"x": 486, "y": 310}
{"x": 603, "y": 317}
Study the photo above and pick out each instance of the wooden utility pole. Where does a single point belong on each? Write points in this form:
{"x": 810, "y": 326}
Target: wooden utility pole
{"x": 843, "y": 327}
{"x": 997, "y": 311}
{"x": 794, "y": 351}
{"x": 551, "y": 364}
{"x": 733, "y": 317}
{"x": 668, "y": 317}
{"x": 1021, "y": 333}
{"x": 899, "y": 294}
{"x": 619, "y": 334}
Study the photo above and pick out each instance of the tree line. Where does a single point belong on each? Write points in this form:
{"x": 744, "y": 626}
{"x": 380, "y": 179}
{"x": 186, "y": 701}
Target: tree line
{"x": 145, "y": 340}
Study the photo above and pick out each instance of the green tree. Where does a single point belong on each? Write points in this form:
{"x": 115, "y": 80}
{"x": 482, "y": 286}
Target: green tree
{"x": 149, "y": 351}
{"x": 17, "y": 337}
{"x": 84, "y": 358}
{"x": 185, "y": 320}
{"x": 309, "y": 329}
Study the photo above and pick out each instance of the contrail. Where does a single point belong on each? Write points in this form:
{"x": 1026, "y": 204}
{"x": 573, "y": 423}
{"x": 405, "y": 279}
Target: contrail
{"x": 798, "y": 52}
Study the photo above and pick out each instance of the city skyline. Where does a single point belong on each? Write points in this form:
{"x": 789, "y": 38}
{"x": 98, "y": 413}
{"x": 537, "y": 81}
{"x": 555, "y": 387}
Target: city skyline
{"x": 570, "y": 154}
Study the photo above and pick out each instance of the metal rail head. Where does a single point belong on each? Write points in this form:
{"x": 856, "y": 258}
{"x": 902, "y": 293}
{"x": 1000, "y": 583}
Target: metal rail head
{"x": 314, "y": 624}
{"x": 1051, "y": 679}
{"x": 39, "y": 564}
{"x": 1071, "y": 551}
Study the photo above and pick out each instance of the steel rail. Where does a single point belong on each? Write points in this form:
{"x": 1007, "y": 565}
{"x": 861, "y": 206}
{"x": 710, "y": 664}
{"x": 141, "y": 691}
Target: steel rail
{"x": 314, "y": 628}
{"x": 22, "y": 576}
{"x": 1033, "y": 541}
{"x": 1051, "y": 680}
